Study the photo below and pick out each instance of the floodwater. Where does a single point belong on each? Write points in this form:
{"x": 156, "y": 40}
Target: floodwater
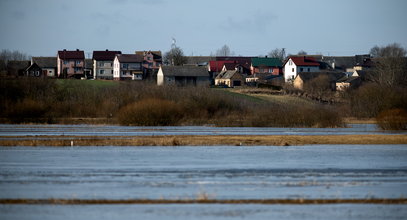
{"x": 221, "y": 172}
{"x": 7, "y": 130}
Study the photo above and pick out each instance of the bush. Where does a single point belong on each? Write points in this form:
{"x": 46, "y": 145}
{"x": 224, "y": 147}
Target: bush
{"x": 27, "y": 111}
{"x": 150, "y": 112}
{"x": 393, "y": 119}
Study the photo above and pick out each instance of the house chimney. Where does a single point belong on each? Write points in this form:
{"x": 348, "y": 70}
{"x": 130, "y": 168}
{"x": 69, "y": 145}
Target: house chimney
{"x": 77, "y": 49}
{"x": 107, "y": 50}
{"x": 266, "y": 56}
{"x": 64, "y": 49}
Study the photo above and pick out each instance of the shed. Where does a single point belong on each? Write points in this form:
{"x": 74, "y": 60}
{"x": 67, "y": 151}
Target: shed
{"x": 183, "y": 75}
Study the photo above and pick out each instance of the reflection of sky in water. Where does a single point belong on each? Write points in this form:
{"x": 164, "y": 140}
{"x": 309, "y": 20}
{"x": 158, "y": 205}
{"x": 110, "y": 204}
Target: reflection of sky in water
{"x": 94, "y": 130}
{"x": 313, "y": 171}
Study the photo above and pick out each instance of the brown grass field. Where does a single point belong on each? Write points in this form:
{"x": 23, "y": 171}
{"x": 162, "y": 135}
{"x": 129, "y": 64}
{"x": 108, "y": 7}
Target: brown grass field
{"x": 203, "y": 140}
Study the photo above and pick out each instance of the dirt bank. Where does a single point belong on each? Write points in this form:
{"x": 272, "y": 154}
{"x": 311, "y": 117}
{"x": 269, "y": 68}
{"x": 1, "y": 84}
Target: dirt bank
{"x": 204, "y": 140}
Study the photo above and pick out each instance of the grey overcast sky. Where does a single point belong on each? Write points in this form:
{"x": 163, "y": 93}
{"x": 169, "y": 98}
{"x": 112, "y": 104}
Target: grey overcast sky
{"x": 248, "y": 27}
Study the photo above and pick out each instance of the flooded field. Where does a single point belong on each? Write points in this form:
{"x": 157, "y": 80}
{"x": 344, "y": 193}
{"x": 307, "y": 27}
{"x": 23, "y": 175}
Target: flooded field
{"x": 107, "y": 130}
{"x": 267, "y": 172}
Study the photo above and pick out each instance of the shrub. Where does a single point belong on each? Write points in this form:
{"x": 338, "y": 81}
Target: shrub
{"x": 393, "y": 119}
{"x": 27, "y": 111}
{"x": 150, "y": 112}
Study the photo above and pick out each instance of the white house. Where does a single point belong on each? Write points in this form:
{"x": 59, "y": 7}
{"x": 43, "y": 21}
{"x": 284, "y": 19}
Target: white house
{"x": 128, "y": 66}
{"x": 103, "y": 64}
{"x": 298, "y": 64}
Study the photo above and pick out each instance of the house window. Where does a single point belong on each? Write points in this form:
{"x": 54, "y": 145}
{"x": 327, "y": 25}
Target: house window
{"x": 125, "y": 65}
{"x": 290, "y": 62}
{"x": 292, "y": 70}
{"x": 78, "y": 62}
{"x": 308, "y": 69}
{"x": 101, "y": 71}
{"x": 301, "y": 69}
{"x": 100, "y": 63}
{"x": 123, "y": 73}
{"x": 66, "y": 62}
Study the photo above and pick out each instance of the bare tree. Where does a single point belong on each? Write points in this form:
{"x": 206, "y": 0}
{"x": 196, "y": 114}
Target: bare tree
{"x": 277, "y": 53}
{"x": 224, "y": 51}
{"x": 302, "y": 52}
{"x": 175, "y": 57}
{"x": 391, "y": 50}
{"x": 7, "y": 55}
{"x": 318, "y": 86}
{"x": 391, "y": 65}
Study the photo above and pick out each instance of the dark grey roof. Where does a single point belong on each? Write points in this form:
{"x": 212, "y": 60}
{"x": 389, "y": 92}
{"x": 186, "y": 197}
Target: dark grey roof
{"x": 18, "y": 65}
{"x": 341, "y": 62}
{"x": 226, "y": 74}
{"x": 185, "y": 71}
{"x": 196, "y": 60}
{"x": 347, "y": 79}
{"x": 45, "y": 62}
{"x": 333, "y": 76}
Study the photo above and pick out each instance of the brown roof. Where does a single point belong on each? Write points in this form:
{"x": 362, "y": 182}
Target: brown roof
{"x": 230, "y": 66}
{"x": 185, "y": 71}
{"x": 71, "y": 54}
{"x": 44, "y": 62}
{"x": 130, "y": 58}
{"x": 105, "y": 55}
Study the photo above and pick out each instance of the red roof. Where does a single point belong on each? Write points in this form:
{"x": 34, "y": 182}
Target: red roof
{"x": 105, "y": 55}
{"x": 71, "y": 54}
{"x": 304, "y": 61}
{"x": 216, "y": 66}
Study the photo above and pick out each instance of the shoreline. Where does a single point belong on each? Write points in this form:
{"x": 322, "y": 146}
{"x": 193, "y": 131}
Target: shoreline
{"x": 202, "y": 140}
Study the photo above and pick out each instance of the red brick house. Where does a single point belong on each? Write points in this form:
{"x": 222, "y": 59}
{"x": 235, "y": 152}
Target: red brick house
{"x": 70, "y": 63}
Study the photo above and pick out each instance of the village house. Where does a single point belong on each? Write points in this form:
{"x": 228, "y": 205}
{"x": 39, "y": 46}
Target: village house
{"x": 199, "y": 60}
{"x": 70, "y": 63}
{"x": 348, "y": 82}
{"x": 183, "y": 76}
{"x": 103, "y": 64}
{"x": 306, "y": 77}
{"x": 152, "y": 59}
{"x": 229, "y": 78}
{"x": 348, "y": 63}
{"x": 42, "y": 67}
{"x": 265, "y": 65}
{"x": 128, "y": 67}
{"x": 298, "y": 64}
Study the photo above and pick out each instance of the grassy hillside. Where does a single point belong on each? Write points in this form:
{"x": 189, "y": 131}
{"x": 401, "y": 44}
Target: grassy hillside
{"x": 140, "y": 103}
